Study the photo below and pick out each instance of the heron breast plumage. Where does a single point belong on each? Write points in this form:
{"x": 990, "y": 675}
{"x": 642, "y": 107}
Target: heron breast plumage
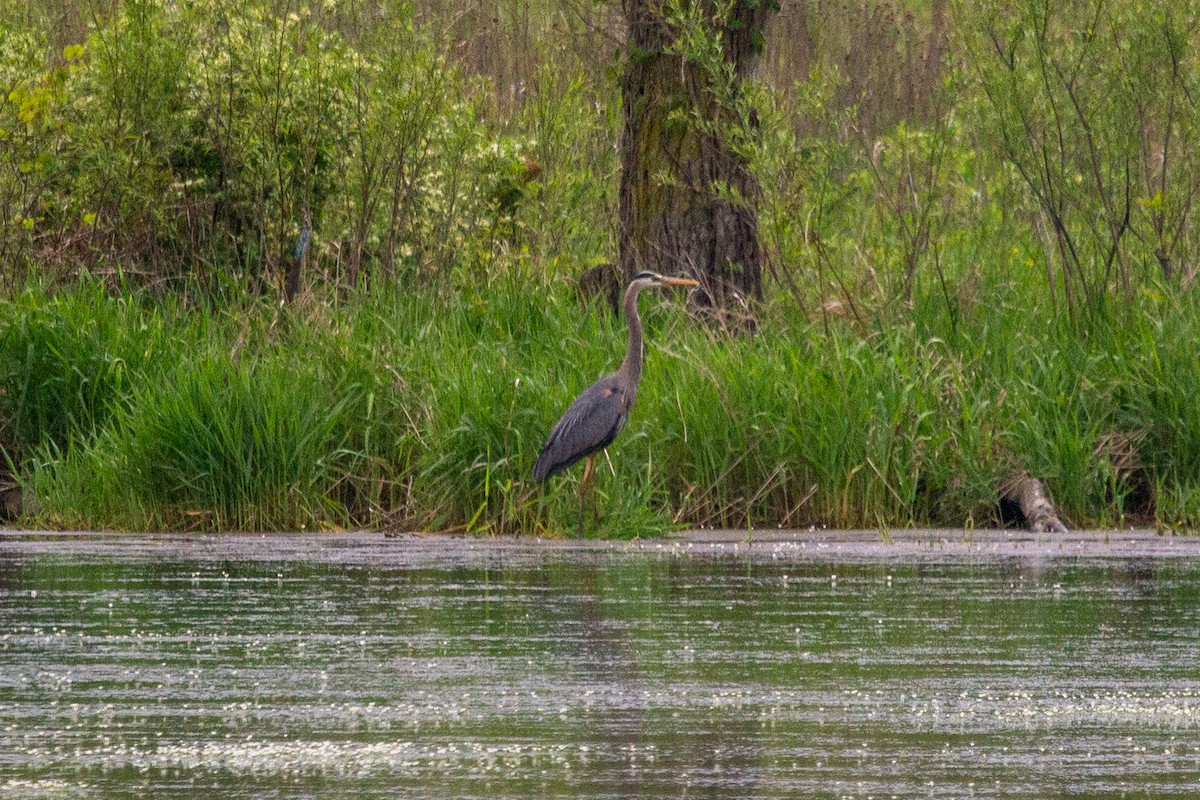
{"x": 589, "y": 425}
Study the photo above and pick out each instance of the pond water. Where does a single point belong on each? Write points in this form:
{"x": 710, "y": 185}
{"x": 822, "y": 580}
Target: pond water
{"x": 814, "y": 665}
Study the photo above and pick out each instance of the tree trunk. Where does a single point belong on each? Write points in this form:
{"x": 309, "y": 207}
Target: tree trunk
{"x": 688, "y": 202}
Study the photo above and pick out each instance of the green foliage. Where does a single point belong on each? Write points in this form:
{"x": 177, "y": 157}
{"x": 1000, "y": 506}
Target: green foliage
{"x": 196, "y": 140}
{"x": 997, "y": 280}
{"x": 411, "y": 167}
{"x": 125, "y": 116}
{"x": 570, "y": 127}
{"x": 1090, "y": 103}
{"x": 31, "y": 132}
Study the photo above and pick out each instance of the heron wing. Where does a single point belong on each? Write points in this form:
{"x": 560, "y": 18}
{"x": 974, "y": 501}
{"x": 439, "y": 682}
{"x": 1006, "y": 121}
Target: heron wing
{"x": 589, "y": 425}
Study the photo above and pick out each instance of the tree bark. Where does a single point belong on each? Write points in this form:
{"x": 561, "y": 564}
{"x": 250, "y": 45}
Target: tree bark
{"x": 688, "y": 202}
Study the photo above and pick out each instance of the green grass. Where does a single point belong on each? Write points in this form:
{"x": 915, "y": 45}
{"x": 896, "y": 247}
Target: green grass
{"x": 405, "y": 411}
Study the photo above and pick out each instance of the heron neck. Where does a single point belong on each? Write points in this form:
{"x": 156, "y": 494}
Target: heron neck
{"x": 631, "y": 367}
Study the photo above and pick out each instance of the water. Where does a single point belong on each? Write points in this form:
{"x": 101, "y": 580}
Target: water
{"x": 814, "y": 665}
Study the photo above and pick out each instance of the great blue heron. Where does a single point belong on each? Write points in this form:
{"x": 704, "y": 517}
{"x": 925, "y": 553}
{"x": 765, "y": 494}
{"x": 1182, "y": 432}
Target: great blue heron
{"x": 597, "y": 416}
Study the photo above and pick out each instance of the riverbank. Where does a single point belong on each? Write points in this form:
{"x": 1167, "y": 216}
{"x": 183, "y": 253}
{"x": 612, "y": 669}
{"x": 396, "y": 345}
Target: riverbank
{"x": 407, "y": 411}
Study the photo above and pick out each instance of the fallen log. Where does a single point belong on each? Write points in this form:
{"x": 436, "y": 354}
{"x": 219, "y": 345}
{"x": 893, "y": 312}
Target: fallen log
{"x": 1032, "y": 500}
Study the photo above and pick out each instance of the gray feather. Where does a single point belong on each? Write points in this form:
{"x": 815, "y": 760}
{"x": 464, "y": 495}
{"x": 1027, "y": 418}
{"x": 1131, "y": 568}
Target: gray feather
{"x": 589, "y": 425}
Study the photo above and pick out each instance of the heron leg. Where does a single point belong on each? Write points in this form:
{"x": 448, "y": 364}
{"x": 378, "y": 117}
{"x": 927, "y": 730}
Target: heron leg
{"x": 592, "y": 492}
{"x": 584, "y": 483}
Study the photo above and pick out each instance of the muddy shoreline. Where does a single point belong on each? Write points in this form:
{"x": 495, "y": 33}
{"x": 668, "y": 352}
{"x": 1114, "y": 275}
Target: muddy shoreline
{"x": 801, "y": 546}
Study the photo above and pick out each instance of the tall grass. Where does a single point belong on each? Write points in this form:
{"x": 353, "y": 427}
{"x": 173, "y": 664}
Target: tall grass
{"x": 398, "y": 412}
{"x": 67, "y": 363}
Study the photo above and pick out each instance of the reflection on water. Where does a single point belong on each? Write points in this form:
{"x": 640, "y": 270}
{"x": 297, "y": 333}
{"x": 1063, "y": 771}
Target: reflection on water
{"x": 354, "y": 666}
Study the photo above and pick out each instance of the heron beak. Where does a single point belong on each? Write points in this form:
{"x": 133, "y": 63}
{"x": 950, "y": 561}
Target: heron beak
{"x": 680, "y": 282}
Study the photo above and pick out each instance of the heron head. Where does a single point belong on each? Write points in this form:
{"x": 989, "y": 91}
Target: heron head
{"x": 648, "y": 278}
